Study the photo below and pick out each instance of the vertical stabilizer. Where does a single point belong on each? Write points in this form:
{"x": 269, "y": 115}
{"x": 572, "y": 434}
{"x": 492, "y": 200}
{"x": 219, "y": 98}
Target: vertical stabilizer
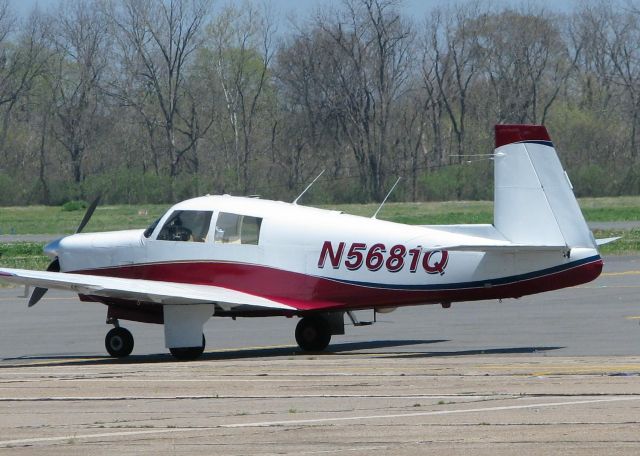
{"x": 534, "y": 201}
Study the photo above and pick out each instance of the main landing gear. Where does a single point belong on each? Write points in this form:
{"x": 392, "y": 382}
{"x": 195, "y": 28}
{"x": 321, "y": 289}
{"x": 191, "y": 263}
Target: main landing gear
{"x": 313, "y": 333}
{"x": 119, "y": 344}
{"x": 188, "y": 353}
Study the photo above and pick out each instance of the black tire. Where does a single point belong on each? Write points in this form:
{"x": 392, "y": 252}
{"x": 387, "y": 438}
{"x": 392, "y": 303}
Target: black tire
{"x": 312, "y": 333}
{"x": 188, "y": 353}
{"x": 119, "y": 342}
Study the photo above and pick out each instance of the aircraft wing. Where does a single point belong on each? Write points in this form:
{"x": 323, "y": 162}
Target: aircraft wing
{"x": 162, "y": 293}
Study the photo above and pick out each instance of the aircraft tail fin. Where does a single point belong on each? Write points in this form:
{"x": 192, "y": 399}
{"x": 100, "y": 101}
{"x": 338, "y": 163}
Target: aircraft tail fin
{"x": 534, "y": 200}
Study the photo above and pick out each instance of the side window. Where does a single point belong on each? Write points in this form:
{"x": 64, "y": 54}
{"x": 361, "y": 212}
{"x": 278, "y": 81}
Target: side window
{"x": 228, "y": 228}
{"x": 237, "y": 229}
{"x": 189, "y": 226}
{"x": 250, "y": 232}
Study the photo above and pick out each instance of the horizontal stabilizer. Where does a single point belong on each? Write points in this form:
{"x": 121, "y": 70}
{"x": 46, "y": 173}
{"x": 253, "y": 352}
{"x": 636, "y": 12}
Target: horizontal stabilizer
{"x": 503, "y": 248}
{"x": 604, "y": 241}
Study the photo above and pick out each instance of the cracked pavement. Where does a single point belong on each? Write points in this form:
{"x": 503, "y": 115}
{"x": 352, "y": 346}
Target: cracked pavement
{"x": 286, "y": 405}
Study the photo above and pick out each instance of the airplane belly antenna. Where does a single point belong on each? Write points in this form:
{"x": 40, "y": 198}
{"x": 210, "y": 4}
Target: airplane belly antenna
{"x": 295, "y": 201}
{"x": 386, "y": 197}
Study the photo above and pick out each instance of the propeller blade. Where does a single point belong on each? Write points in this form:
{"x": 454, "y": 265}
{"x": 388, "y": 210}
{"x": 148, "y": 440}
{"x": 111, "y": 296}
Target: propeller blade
{"x": 39, "y": 292}
{"x": 54, "y": 266}
{"x": 36, "y": 296}
{"x": 88, "y": 214}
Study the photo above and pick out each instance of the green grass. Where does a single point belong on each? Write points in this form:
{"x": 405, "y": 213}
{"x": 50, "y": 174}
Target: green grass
{"x": 629, "y": 244}
{"x": 56, "y": 220}
{"x": 23, "y": 255}
{"x": 622, "y": 208}
{"x": 433, "y": 213}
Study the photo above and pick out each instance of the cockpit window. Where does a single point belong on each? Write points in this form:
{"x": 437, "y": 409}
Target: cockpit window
{"x": 187, "y": 226}
{"x": 149, "y": 231}
{"x": 237, "y": 229}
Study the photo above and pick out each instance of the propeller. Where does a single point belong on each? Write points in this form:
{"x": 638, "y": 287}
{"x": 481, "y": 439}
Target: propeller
{"x": 54, "y": 266}
{"x": 39, "y": 292}
{"x": 88, "y": 214}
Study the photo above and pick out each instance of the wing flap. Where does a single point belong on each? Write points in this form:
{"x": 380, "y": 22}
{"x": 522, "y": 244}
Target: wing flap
{"x": 162, "y": 293}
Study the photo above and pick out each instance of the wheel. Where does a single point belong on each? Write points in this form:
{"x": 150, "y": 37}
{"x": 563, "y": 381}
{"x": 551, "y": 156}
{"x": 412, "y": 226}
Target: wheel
{"x": 119, "y": 342}
{"x": 188, "y": 353}
{"x": 312, "y": 334}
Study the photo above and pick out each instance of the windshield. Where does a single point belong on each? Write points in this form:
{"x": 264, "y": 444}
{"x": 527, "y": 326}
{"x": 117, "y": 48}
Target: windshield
{"x": 149, "y": 231}
{"x": 190, "y": 226}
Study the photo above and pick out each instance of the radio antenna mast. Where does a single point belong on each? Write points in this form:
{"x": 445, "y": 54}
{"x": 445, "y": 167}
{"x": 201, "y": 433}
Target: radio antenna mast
{"x": 386, "y": 197}
{"x": 295, "y": 201}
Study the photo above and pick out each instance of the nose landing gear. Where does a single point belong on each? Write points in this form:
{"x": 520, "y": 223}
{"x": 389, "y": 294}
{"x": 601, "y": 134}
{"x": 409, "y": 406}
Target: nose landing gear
{"x": 119, "y": 342}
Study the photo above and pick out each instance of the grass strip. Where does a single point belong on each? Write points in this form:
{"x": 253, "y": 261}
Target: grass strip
{"x": 23, "y": 255}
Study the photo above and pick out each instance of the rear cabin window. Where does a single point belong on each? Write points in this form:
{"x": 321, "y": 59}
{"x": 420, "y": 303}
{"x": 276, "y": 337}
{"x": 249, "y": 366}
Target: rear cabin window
{"x": 187, "y": 226}
{"x": 237, "y": 229}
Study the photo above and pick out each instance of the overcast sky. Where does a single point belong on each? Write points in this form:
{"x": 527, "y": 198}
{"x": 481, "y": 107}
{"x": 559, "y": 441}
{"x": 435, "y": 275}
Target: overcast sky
{"x": 302, "y": 8}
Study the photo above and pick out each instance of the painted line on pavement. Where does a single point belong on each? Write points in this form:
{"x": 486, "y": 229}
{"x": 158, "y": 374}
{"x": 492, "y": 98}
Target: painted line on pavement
{"x": 75, "y": 437}
{"x": 432, "y": 413}
{"x": 622, "y": 273}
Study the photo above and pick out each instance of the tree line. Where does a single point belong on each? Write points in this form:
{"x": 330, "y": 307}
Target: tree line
{"x": 155, "y": 101}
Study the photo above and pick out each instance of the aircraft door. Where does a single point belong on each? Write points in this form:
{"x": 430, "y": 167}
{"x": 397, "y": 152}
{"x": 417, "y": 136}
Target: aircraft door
{"x": 176, "y": 240}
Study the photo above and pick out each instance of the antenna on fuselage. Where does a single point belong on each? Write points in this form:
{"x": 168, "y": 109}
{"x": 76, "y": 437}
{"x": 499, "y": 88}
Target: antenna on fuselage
{"x": 386, "y": 197}
{"x": 295, "y": 201}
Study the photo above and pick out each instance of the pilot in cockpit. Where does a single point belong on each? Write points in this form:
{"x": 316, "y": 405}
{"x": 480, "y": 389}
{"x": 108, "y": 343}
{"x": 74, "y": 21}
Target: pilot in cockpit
{"x": 200, "y": 226}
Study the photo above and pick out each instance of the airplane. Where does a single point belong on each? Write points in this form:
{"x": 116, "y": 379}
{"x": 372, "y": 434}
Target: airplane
{"x": 229, "y": 256}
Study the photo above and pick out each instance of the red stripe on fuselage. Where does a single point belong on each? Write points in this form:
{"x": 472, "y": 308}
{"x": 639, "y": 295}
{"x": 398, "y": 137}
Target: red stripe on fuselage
{"x": 306, "y": 292}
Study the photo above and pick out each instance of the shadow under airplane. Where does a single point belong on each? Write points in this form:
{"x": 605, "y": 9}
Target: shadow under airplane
{"x": 355, "y": 348}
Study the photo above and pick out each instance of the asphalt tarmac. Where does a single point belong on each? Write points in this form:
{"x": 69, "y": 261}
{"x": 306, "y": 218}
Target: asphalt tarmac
{"x": 556, "y": 373}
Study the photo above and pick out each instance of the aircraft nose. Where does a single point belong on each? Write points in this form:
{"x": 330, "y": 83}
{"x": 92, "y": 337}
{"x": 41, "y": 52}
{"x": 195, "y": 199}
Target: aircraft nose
{"x": 52, "y": 249}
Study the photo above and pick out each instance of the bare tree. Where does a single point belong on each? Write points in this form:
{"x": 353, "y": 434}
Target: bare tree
{"x": 455, "y": 61}
{"x": 311, "y": 137}
{"x": 80, "y": 39}
{"x": 621, "y": 37}
{"x": 22, "y": 61}
{"x": 241, "y": 43}
{"x": 367, "y": 68}
{"x": 157, "y": 41}
{"x": 527, "y": 61}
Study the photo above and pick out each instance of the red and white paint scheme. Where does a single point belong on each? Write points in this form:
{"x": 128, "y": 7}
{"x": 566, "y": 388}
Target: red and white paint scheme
{"x": 229, "y": 256}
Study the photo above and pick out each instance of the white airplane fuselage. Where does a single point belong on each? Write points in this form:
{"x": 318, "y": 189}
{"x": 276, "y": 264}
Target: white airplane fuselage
{"x": 327, "y": 259}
